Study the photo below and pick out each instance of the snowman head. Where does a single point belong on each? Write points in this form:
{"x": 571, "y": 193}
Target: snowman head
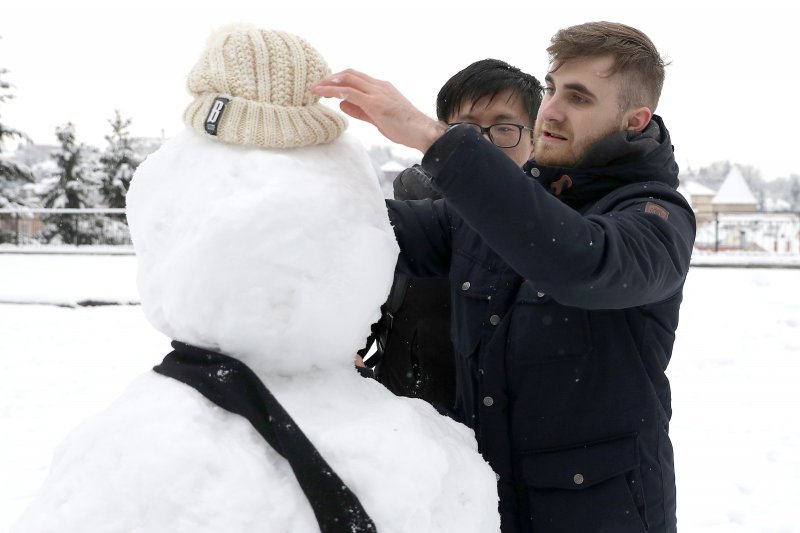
{"x": 272, "y": 246}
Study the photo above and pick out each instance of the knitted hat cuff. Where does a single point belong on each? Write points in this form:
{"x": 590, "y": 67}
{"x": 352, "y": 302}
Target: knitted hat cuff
{"x": 263, "y": 124}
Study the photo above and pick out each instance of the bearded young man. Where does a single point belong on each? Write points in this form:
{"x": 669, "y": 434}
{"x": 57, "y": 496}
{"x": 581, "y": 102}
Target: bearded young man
{"x": 567, "y": 282}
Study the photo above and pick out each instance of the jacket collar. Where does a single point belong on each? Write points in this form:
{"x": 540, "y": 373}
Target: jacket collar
{"x": 617, "y": 160}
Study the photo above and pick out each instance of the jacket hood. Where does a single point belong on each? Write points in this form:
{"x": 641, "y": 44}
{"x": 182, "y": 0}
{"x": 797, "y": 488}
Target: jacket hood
{"x": 617, "y": 160}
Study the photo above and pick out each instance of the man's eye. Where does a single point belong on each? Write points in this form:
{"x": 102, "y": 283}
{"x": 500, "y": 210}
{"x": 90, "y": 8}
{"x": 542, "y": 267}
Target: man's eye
{"x": 578, "y": 99}
{"x": 549, "y": 90}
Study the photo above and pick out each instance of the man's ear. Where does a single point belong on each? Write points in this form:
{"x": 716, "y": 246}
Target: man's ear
{"x": 638, "y": 119}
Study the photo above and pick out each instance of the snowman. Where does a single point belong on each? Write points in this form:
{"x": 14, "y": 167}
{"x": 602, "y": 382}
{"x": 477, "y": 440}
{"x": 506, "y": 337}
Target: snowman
{"x": 264, "y": 250}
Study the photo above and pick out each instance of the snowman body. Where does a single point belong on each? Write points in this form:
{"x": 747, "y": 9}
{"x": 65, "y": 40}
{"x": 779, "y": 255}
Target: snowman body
{"x": 281, "y": 259}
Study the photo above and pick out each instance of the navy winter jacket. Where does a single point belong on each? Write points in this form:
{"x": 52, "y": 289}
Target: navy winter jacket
{"x": 564, "y": 310}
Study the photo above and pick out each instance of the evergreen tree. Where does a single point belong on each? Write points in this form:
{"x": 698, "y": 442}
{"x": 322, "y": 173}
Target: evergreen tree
{"x": 12, "y": 175}
{"x": 714, "y": 174}
{"x": 117, "y": 163}
{"x": 794, "y": 192}
{"x": 71, "y": 187}
{"x": 70, "y": 181}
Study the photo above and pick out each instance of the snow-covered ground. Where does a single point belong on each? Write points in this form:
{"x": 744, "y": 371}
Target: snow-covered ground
{"x": 735, "y": 428}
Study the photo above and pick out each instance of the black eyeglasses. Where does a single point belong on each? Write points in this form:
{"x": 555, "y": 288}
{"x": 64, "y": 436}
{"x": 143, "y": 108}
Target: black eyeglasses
{"x": 501, "y": 135}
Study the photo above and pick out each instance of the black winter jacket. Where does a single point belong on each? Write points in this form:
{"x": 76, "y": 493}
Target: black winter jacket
{"x": 564, "y": 310}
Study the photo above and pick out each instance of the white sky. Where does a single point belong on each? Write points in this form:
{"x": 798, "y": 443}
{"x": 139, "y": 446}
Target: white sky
{"x": 729, "y": 92}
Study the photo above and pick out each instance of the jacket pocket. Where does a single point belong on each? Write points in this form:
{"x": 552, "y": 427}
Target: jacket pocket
{"x": 543, "y": 330}
{"x": 595, "y": 487}
{"x": 473, "y": 285}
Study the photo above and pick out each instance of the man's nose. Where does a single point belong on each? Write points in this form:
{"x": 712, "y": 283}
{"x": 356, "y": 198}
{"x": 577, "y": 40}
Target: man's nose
{"x": 551, "y": 110}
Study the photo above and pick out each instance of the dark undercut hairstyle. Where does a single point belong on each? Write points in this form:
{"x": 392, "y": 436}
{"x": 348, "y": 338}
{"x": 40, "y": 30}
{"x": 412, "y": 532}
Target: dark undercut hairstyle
{"x": 636, "y": 59}
{"x": 485, "y": 79}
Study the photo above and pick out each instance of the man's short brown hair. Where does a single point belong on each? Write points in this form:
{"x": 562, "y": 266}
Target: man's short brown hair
{"x": 635, "y": 58}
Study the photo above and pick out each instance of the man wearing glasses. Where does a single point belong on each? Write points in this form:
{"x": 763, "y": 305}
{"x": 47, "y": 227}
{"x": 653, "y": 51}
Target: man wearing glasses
{"x": 414, "y": 355}
{"x": 566, "y": 282}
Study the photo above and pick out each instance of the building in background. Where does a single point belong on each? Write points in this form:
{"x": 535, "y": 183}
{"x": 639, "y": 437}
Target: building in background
{"x": 699, "y": 197}
{"x": 734, "y": 195}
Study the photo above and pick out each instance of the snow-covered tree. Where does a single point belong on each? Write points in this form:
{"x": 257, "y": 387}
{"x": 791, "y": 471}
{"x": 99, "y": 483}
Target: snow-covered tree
{"x": 117, "y": 162}
{"x": 71, "y": 180}
{"x": 785, "y": 193}
{"x": 794, "y": 192}
{"x": 12, "y": 174}
{"x": 71, "y": 185}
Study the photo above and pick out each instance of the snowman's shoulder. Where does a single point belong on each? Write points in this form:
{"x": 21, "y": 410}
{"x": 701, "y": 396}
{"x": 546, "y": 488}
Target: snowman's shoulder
{"x": 163, "y": 458}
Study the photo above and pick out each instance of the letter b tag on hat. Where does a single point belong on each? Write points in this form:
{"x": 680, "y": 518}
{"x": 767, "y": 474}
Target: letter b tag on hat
{"x": 215, "y": 114}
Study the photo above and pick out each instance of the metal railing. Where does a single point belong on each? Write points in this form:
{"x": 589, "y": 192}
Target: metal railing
{"x": 774, "y": 233}
{"x": 76, "y": 227}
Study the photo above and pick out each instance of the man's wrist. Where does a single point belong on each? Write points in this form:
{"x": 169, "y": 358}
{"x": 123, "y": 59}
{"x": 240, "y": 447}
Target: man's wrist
{"x": 439, "y": 154}
{"x": 433, "y": 131}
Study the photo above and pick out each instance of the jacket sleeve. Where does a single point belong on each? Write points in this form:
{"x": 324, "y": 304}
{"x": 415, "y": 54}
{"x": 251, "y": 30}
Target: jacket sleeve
{"x": 423, "y": 231}
{"x": 624, "y": 253}
{"x": 414, "y": 184}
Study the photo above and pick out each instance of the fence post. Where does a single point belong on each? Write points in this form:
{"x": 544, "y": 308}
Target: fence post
{"x": 716, "y": 232}
{"x": 798, "y": 231}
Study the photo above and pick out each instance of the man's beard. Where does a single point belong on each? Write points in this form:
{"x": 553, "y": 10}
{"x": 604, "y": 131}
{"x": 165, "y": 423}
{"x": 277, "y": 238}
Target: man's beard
{"x": 566, "y": 156}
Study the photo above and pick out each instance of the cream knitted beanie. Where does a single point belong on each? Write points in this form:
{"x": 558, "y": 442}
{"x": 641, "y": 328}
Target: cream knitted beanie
{"x": 252, "y": 87}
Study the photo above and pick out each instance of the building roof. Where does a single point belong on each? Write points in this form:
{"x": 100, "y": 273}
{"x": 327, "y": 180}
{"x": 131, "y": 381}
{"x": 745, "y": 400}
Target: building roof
{"x": 734, "y": 190}
{"x": 695, "y": 188}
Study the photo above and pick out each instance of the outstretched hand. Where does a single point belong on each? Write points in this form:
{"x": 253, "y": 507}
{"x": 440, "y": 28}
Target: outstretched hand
{"x": 380, "y": 104}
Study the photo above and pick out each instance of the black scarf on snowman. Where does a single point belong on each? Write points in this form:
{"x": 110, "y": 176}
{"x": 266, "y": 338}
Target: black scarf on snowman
{"x": 230, "y": 384}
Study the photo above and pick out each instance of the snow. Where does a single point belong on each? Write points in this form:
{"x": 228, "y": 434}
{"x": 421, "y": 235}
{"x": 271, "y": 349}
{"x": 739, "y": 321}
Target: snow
{"x": 734, "y": 373}
{"x": 734, "y": 378}
{"x": 745, "y": 259}
{"x": 392, "y": 166}
{"x": 276, "y": 237}
{"x": 68, "y": 279}
{"x": 280, "y": 258}
{"x": 734, "y": 190}
{"x": 695, "y": 188}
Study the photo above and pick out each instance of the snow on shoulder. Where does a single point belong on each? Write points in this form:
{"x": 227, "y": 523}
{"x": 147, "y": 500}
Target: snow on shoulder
{"x": 261, "y": 234}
